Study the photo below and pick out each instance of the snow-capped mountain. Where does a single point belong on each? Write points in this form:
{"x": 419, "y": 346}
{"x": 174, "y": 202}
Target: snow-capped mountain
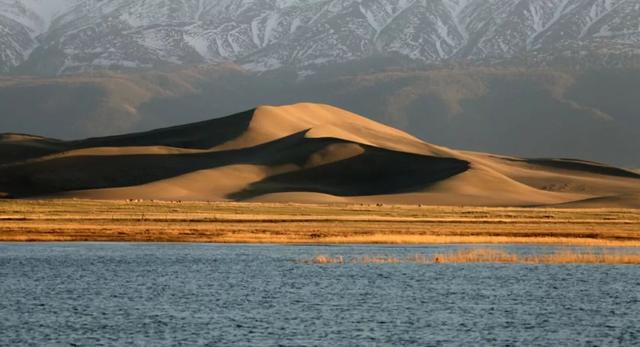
{"x": 65, "y": 36}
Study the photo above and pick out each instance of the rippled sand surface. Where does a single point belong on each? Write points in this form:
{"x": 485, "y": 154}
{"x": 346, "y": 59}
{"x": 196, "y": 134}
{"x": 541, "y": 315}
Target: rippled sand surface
{"x": 149, "y": 294}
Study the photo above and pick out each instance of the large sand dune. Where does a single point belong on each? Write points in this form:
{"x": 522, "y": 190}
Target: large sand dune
{"x": 299, "y": 153}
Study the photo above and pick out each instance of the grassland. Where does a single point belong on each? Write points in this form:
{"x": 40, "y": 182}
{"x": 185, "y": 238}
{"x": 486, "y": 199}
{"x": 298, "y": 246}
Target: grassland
{"x": 149, "y": 221}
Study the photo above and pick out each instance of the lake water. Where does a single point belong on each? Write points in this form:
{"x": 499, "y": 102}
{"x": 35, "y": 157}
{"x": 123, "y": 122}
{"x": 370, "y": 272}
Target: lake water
{"x": 221, "y": 295}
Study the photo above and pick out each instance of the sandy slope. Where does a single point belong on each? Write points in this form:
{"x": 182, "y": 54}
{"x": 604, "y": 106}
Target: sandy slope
{"x": 300, "y": 153}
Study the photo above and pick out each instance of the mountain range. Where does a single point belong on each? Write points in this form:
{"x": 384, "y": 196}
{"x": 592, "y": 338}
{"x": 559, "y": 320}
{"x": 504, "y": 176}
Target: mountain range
{"x": 69, "y": 36}
{"x": 300, "y": 153}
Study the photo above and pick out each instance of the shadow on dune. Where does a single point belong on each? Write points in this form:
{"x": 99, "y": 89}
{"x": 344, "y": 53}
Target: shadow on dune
{"x": 578, "y": 165}
{"x": 30, "y": 148}
{"x": 201, "y": 135}
{"x": 97, "y": 171}
{"x": 376, "y": 171}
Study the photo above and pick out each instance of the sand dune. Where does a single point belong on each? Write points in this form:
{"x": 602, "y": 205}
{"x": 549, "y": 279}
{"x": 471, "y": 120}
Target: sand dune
{"x": 19, "y": 147}
{"x": 300, "y": 153}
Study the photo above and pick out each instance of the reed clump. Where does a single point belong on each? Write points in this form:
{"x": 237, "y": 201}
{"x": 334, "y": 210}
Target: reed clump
{"x": 477, "y": 255}
{"x": 376, "y": 260}
{"x": 324, "y": 259}
{"x": 493, "y": 255}
{"x": 327, "y": 259}
{"x": 420, "y": 259}
{"x": 489, "y": 255}
{"x": 569, "y": 257}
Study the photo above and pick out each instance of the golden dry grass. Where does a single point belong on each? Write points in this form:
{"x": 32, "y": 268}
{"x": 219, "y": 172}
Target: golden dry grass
{"x": 488, "y": 255}
{"x": 480, "y": 255}
{"x": 492, "y": 255}
{"x": 155, "y": 221}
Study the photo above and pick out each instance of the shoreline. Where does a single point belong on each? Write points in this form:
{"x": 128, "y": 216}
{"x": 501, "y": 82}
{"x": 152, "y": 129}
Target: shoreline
{"x": 577, "y": 244}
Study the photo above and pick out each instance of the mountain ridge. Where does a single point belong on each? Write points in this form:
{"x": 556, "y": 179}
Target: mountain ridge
{"x": 70, "y": 36}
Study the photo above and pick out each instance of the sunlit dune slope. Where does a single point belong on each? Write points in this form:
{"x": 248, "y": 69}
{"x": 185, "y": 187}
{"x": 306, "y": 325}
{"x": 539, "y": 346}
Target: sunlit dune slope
{"x": 299, "y": 153}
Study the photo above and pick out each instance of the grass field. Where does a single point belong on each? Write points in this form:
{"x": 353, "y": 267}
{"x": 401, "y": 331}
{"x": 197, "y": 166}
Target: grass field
{"x": 149, "y": 221}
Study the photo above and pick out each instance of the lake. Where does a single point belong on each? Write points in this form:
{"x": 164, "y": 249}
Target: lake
{"x": 248, "y": 295}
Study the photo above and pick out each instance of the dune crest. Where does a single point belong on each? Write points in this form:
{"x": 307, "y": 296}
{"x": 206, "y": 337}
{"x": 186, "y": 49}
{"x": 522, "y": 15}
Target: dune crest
{"x": 300, "y": 153}
{"x": 270, "y": 123}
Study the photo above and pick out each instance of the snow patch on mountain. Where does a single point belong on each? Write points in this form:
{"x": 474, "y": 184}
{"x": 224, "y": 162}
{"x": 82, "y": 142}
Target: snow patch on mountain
{"x": 80, "y": 35}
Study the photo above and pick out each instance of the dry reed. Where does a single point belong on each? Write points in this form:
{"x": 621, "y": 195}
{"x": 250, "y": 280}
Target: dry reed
{"x": 376, "y": 260}
{"x": 324, "y": 259}
{"x": 488, "y": 255}
{"x": 492, "y": 255}
{"x": 477, "y": 255}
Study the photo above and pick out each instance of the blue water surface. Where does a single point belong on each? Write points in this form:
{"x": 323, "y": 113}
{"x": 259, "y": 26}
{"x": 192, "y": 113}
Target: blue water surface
{"x": 93, "y": 294}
